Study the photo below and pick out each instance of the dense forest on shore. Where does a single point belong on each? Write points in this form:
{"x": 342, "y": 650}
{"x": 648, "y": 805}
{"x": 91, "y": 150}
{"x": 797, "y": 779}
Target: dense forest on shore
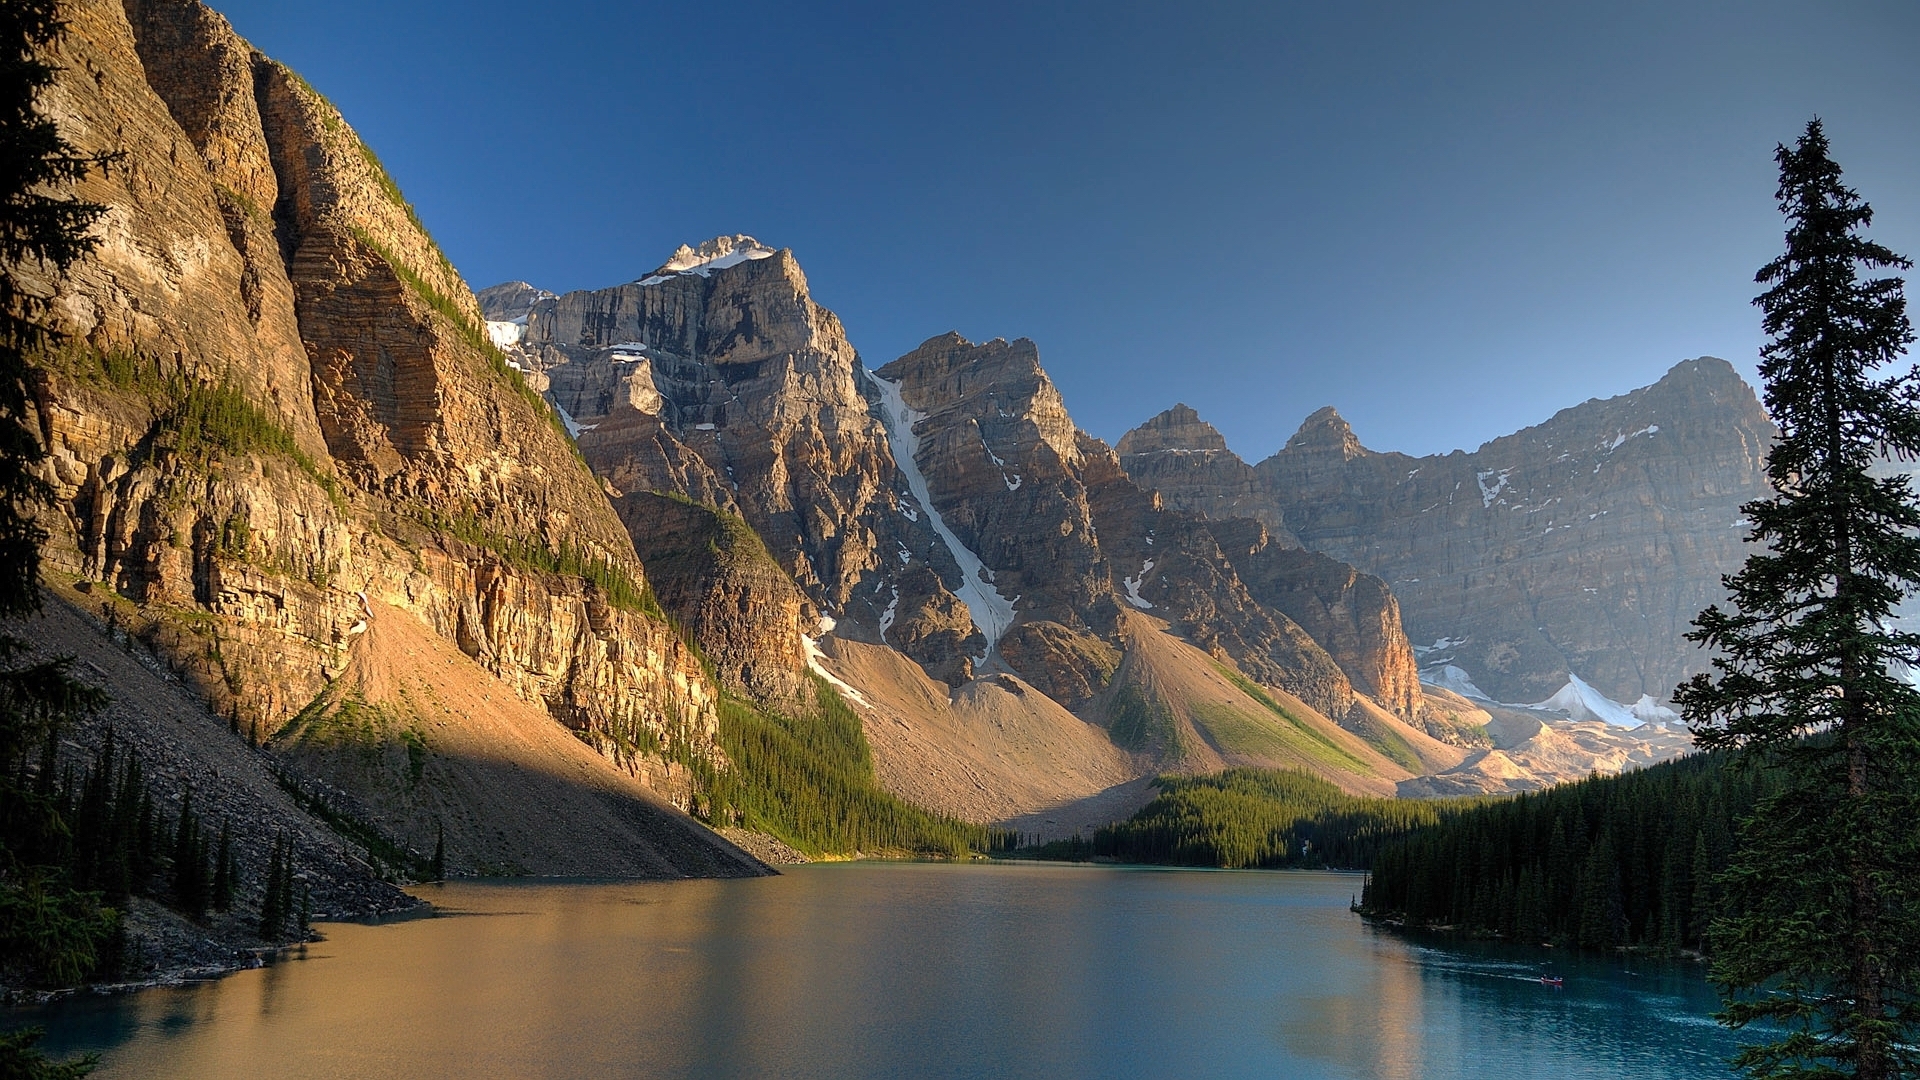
{"x": 1256, "y": 818}
{"x": 1608, "y": 861}
{"x": 1627, "y": 860}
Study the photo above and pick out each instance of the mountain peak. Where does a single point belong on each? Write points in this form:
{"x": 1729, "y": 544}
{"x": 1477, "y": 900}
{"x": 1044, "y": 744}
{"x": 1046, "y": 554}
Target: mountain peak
{"x": 715, "y": 254}
{"x": 1326, "y": 429}
{"x": 510, "y": 301}
{"x": 1177, "y": 429}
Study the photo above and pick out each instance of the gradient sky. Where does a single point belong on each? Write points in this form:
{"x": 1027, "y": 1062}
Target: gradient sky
{"x": 1448, "y": 220}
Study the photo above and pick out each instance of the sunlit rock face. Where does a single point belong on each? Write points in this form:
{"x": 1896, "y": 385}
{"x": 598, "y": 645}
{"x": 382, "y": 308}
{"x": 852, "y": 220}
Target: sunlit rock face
{"x": 1582, "y": 546}
{"x": 1187, "y": 461}
{"x": 358, "y": 444}
{"x": 718, "y": 379}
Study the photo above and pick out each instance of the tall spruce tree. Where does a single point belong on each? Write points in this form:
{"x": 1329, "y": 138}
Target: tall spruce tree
{"x": 48, "y": 930}
{"x": 1818, "y": 934}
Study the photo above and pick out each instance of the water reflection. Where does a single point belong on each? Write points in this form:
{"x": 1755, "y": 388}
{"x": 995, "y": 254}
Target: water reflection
{"x": 906, "y": 970}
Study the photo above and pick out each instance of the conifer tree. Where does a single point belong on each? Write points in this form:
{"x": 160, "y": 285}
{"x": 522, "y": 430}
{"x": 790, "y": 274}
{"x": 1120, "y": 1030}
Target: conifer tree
{"x": 1820, "y": 930}
{"x": 223, "y": 869}
{"x": 46, "y": 926}
{"x": 273, "y": 911}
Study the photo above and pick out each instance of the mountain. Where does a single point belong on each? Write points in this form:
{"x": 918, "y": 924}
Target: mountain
{"x": 1065, "y": 631}
{"x": 1579, "y": 548}
{"x": 499, "y": 569}
{"x": 288, "y": 460}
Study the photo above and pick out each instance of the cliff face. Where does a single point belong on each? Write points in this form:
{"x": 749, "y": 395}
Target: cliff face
{"x": 945, "y": 505}
{"x": 1187, "y": 461}
{"x": 715, "y": 575}
{"x": 718, "y": 379}
{"x": 1070, "y": 539}
{"x": 1352, "y": 615}
{"x": 278, "y": 405}
{"x": 1582, "y": 546}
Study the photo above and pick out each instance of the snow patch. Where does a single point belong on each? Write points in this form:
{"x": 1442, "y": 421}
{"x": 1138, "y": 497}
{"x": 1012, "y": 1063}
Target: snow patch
{"x": 892, "y": 612}
{"x": 1583, "y": 702}
{"x": 718, "y": 253}
{"x": 1014, "y": 483}
{"x": 989, "y": 610}
{"x": 1455, "y": 679}
{"x": 1440, "y": 645}
{"x": 1133, "y": 588}
{"x": 1652, "y": 711}
{"x": 815, "y": 665}
{"x": 1490, "y": 492}
{"x": 505, "y": 335}
{"x": 1620, "y": 439}
{"x": 573, "y": 428}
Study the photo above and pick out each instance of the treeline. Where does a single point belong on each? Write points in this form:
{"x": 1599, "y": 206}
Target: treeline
{"x": 102, "y": 833}
{"x": 1266, "y": 818}
{"x": 809, "y": 781}
{"x": 1627, "y": 860}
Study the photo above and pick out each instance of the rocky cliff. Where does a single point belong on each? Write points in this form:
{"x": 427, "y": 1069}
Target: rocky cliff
{"x": 944, "y": 505}
{"x": 278, "y": 408}
{"x": 1187, "y": 461}
{"x": 1583, "y": 546}
{"x": 718, "y": 379}
{"x": 1071, "y": 539}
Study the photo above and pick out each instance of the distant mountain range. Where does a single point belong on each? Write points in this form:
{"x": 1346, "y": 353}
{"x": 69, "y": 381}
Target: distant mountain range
{"x": 405, "y": 535}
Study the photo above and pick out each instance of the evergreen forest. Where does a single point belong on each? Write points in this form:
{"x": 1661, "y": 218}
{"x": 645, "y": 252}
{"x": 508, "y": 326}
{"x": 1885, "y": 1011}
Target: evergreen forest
{"x": 1628, "y": 860}
{"x": 809, "y": 781}
{"x": 1264, "y": 818}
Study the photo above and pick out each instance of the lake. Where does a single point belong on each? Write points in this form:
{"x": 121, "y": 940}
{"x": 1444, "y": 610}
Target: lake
{"x": 870, "y": 970}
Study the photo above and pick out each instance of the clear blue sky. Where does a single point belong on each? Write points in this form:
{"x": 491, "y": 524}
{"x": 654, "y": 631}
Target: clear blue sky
{"x": 1449, "y": 220}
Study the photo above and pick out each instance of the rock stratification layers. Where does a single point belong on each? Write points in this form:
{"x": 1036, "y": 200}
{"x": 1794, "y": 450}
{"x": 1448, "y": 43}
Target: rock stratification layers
{"x": 278, "y": 406}
{"x": 1187, "y": 461}
{"x": 717, "y": 378}
{"x": 1584, "y": 545}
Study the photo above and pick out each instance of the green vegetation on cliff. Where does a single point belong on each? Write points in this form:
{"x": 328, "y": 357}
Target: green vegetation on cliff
{"x": 197, "y": 420}
{"x": 1294, "y": 732}
{"x": 809, "y": 781}
{"x": 532, "y": 552}
{"x": 467, "y": 329}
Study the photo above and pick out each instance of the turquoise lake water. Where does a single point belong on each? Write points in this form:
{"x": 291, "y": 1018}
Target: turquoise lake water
{"x": 872, "y": 970}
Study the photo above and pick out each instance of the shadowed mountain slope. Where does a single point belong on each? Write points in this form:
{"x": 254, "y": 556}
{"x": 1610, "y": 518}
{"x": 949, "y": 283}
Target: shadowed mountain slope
{"x": 1583, "y": 546}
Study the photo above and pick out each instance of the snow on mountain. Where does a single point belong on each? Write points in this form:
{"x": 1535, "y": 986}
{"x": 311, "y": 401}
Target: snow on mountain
{"x": 1653, "y": 712}
{"x": 716, "y": 254}
{"x": 1583, "y": 702}
{"x": 506, "y": 335}
{"x": 990, "y": 611}
{"x": 1449, "y": 677}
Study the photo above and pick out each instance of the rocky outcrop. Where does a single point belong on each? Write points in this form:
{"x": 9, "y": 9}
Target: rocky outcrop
{"x": 278, "y": 405}
{"x": 1002, "y": 463}
{"x": 1068, "y": 538}
{"x": 713, "y": 574}
{"x": 1352, "y": 615}
{"x": 1583, "y": 546}
{"x": 1186, "y": 460}
{"x": 718, "y": 379}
